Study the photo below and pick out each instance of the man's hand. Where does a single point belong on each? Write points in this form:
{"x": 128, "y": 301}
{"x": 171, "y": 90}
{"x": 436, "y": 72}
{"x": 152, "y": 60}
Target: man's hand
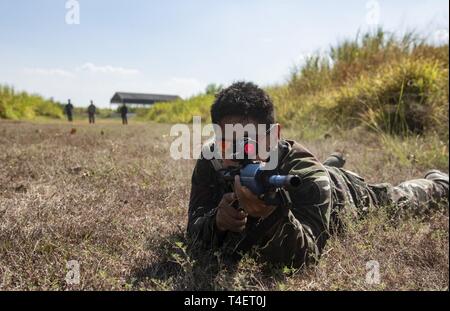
{"x": 228, "y": 218}
{"x": 250, "y": 202}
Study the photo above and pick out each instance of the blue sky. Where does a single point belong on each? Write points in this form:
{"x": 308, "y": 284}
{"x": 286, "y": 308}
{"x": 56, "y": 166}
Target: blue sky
{"x": 178, "y": 47}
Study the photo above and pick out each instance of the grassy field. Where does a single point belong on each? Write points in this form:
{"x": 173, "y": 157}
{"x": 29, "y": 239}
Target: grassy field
{"x": 111, "y": 198}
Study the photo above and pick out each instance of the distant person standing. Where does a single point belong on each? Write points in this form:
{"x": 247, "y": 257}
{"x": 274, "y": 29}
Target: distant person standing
{"x": 69, "y": 111}
{"x": 123, "y": 113}
{"x": 91, "y": 112}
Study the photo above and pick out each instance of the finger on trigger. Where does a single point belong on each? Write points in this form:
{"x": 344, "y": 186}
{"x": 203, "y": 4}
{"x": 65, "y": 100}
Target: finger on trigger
{"x": 235, "y": 214}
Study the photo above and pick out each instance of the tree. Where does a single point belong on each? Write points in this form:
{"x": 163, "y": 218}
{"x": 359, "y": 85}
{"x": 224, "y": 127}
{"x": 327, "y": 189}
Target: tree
{"x": 213, "y": 89}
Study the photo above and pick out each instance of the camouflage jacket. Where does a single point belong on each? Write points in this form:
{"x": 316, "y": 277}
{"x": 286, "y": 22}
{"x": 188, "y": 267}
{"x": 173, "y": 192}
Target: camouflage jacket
{"x": 293, "y": 234}
{"x": 91, "y": 109}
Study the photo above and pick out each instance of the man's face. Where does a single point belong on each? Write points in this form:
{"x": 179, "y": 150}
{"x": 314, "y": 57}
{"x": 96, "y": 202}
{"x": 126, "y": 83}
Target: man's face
{"x": 261, "y": 137}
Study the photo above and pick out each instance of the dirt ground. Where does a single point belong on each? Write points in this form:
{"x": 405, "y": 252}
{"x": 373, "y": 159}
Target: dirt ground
{"x": 110, "y": 198}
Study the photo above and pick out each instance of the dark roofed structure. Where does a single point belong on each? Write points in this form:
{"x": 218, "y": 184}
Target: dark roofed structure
{"x": 141, "y": 99}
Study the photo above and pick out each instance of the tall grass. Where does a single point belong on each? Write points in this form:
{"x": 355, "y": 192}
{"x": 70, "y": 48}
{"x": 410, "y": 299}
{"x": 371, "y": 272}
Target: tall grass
{"x": 407, "y": 96}
{"x": 396, "y": 84}
{"x": 182, "y": 111}
{"x": 417, "y": 151}
{"x": 21, "y": 105}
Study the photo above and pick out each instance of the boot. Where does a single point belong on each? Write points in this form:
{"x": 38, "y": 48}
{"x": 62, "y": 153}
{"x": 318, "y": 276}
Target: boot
{"x": 336, "y": 159}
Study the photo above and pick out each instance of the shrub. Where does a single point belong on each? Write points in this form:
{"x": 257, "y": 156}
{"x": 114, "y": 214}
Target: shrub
{"x": 182, "y": 111}
{"x": 395, "y": 84}
{"x": 21, "y": 105}
{"x": 407, "y": 96}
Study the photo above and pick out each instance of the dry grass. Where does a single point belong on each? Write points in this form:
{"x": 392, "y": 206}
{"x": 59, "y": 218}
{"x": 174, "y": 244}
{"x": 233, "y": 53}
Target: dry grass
{"x": 117, "y": 203}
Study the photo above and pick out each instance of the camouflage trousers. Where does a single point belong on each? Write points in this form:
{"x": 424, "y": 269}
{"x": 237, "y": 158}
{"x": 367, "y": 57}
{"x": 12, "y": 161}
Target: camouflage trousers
{"x": 417, "y": 196}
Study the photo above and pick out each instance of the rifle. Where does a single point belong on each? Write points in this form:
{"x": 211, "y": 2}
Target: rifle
{"x": 266, "y": 184}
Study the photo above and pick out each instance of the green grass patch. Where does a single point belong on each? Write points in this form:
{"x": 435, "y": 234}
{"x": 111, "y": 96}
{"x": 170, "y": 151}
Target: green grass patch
{"x": 419, "y": 151}
{"x": 21, "y": 105}
{"x": 182, "y": 111}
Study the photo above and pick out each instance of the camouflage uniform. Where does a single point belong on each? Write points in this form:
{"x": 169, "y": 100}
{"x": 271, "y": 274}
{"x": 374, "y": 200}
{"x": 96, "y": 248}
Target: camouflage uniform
{"x": 296, "y": 232}
{"x": 91, "y": 112}
{"x": 69, "y": 112}
{"x": 123, "y": 114}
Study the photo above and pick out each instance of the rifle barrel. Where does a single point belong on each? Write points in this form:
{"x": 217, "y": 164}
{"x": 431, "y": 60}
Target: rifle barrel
{"x": 280, "y": 181}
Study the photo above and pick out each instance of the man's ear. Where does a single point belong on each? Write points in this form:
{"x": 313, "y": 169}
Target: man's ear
{"x": 278, "y": 129}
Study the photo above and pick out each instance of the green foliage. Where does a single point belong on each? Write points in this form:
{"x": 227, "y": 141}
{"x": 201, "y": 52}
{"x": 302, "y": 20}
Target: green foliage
{"x": 417, "y": 151}
{"x": 389, "y": 83}
{"x": 213, "y": 89}
{"x": 394, "y": 84}
{"x": 407, "y": 96}
{"x": 22, "y": 105}
{"x": 105, "y": 113}
{"x": 182, "y": 111}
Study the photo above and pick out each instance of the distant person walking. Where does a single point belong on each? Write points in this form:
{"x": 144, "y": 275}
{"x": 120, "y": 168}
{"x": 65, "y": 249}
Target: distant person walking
{"x": 123, "y": 113}
{"x": 69, "y": 111}
{"x": 91, "y": 112}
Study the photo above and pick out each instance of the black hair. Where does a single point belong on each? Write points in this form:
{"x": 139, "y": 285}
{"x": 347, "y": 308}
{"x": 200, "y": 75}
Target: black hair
{"x": 243, "y": 99}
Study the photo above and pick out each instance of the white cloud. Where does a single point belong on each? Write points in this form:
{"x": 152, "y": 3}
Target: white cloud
{"x": 85, "y": 68}
{"x": 184, "y": 87}
{"x": 49, "y": 72}
{"x": 108, "y": 69}
{"x": 89, "y": 81}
